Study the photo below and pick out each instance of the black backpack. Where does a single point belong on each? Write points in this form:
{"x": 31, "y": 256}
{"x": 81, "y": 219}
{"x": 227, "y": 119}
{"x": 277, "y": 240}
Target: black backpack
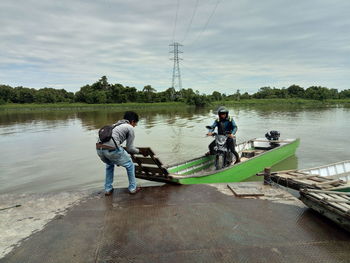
{"x": 105, "y": 134}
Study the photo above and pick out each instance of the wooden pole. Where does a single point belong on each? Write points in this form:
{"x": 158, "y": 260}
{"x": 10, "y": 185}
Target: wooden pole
{"x": 267, "y": 174}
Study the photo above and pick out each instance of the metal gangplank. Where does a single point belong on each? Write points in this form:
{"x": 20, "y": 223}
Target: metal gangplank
{"x": 149, "y": 167}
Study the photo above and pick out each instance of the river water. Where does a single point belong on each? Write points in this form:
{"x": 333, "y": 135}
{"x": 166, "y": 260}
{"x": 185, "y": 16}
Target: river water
{"x": 55, "y": 150}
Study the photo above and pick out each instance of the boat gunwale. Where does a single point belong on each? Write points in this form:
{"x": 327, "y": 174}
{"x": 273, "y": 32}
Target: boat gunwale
{"x": 323, "y": 166}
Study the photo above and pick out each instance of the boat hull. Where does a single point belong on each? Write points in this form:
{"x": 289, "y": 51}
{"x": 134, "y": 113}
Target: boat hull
{"x": 339, "y": 170}
{"x": 243, "y": 170}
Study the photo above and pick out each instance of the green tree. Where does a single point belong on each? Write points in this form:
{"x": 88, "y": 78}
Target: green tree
{"x": 216, "y": 96}
{"x": 344, "y": 94}
{"x": 101, "y": 84}
{"x": 296, "y": 91}
{"x": 24, "y": 95}
{"x": 149, "y": 91}
{"x": 319, "y": 93}
{"x": 245, "y": 96}
{"x": 7, "y": 93}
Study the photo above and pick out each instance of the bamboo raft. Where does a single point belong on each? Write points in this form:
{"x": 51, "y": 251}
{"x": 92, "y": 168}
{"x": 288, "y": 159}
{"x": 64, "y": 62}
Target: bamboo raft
{"x": 333, "y": 205}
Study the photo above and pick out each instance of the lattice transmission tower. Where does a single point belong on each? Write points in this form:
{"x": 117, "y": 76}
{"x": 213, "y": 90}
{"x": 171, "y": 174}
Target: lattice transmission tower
{"x": 176, "y": 80}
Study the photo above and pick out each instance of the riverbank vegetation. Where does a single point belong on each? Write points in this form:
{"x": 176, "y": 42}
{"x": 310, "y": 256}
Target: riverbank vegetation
{"x": 104, "y": 94}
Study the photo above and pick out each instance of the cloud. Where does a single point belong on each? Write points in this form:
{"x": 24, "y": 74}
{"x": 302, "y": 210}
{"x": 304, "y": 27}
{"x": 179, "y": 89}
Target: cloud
{"x": 245, "y": 45}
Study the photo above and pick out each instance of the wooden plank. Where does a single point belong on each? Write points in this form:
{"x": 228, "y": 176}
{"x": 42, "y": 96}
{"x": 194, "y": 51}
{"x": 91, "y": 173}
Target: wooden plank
{"x": 156, "y": 161}
{"x": 333, "y": 200}
{"x": 146, "y": 150}
{"x": 341, "y": 200}
{"x": 318, "y": 179}
{"x": 346, "y": 197}
{"x": 147, "y": 160}
{"x": 245, "y": 189}
{"x": 316, "y": 195}
{"x": 151, "y": 170}
{"x": 288, "y": 182}
{"x": 327, "y": 192}
{"x": 300, "y": 175}
{"x": 149, "y": 167}
{"x": 343, "y": 207}
{"x": 321, "y": 198}
{"x": 307, "y": 176}
{"x": 302, "y": 183}
{"x": 330, "y": 182}
{"x": 156, "y": 178}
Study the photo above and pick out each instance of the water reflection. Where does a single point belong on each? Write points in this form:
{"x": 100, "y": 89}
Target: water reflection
{"x": 11, "y": 118}
{"x": 56, "y": 148}
{"x": 93, "y": 119}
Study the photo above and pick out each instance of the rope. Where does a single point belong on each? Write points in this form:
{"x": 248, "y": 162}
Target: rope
{"x": 1, "y": 209}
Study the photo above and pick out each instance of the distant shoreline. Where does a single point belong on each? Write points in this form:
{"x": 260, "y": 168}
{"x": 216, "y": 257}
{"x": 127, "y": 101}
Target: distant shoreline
{"x": 85, "y": 106}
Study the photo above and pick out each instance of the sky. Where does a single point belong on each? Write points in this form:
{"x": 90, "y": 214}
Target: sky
{"x": 227, "y": 45}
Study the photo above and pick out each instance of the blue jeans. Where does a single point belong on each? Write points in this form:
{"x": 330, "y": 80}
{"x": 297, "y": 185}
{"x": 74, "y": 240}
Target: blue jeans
{"x": 117, "y": 157}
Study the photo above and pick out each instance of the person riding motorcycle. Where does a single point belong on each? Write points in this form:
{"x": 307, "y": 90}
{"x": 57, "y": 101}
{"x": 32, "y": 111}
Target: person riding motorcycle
{"x": 226, "y": 126}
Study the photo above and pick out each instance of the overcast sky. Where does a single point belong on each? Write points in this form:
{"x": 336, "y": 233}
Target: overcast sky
{"x": 227, "y": 45}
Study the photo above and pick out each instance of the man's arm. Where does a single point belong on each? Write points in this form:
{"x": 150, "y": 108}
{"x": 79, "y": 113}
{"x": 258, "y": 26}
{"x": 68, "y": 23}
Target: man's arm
{"x": 213, "y": 126}
{"x": 130, "y": 142}
{"x": 234, "y": 127}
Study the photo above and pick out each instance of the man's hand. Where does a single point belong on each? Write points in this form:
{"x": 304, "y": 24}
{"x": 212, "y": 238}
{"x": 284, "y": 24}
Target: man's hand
{"x": 209, "y": 134}
{"x": 231, "y": 136}
{"x": 143, "y": 152}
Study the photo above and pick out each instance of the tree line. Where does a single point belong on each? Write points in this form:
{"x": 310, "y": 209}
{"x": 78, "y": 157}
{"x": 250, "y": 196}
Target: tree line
{"x": 102, "y": 92}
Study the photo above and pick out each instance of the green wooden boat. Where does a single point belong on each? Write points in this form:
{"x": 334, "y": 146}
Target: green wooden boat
{"x": 255, "y": 155}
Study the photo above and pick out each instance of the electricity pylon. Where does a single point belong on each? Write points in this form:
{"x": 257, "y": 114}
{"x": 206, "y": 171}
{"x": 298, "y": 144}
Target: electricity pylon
{"x": 176, "y": 69}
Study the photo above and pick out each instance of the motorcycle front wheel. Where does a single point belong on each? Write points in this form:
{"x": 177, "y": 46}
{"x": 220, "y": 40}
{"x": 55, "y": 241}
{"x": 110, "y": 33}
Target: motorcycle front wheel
{"x": 219, "y": 162}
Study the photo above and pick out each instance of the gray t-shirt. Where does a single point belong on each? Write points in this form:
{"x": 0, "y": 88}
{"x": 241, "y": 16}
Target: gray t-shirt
{"x": 123, "y": 132}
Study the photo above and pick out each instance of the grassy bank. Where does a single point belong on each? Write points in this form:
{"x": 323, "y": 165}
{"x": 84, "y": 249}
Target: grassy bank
{"x": 301, "y": 102}
{"x": 165, "y": 105}
{"x": 85, "y": 106}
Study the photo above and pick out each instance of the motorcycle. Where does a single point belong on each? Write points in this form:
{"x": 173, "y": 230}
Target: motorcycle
{"x": 223, "y": 155}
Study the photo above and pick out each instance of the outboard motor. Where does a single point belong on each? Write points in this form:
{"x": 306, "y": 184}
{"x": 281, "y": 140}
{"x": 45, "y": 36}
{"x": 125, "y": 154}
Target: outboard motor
{"x": 273, "y": 137}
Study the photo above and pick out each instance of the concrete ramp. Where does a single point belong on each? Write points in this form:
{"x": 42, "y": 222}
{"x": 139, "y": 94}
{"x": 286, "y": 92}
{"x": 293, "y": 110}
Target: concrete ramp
{"x": 195, "y": 223}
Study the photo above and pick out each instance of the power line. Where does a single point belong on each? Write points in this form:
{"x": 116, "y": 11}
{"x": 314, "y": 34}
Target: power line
{"x": 204, "y": 78}
{"x": 206, "y": 24}
{"x": 190, "y": 24}
{"x": 177, "y": 10}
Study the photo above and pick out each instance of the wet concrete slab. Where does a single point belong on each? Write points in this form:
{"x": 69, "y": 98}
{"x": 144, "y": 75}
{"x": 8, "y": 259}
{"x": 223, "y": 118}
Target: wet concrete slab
{"x": 24, "y": 214}
{"x": 196, "y": 223}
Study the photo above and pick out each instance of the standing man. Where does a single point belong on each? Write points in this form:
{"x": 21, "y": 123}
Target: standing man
{"x": 226, "y": 125}
{"x": 112, "y": 153}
